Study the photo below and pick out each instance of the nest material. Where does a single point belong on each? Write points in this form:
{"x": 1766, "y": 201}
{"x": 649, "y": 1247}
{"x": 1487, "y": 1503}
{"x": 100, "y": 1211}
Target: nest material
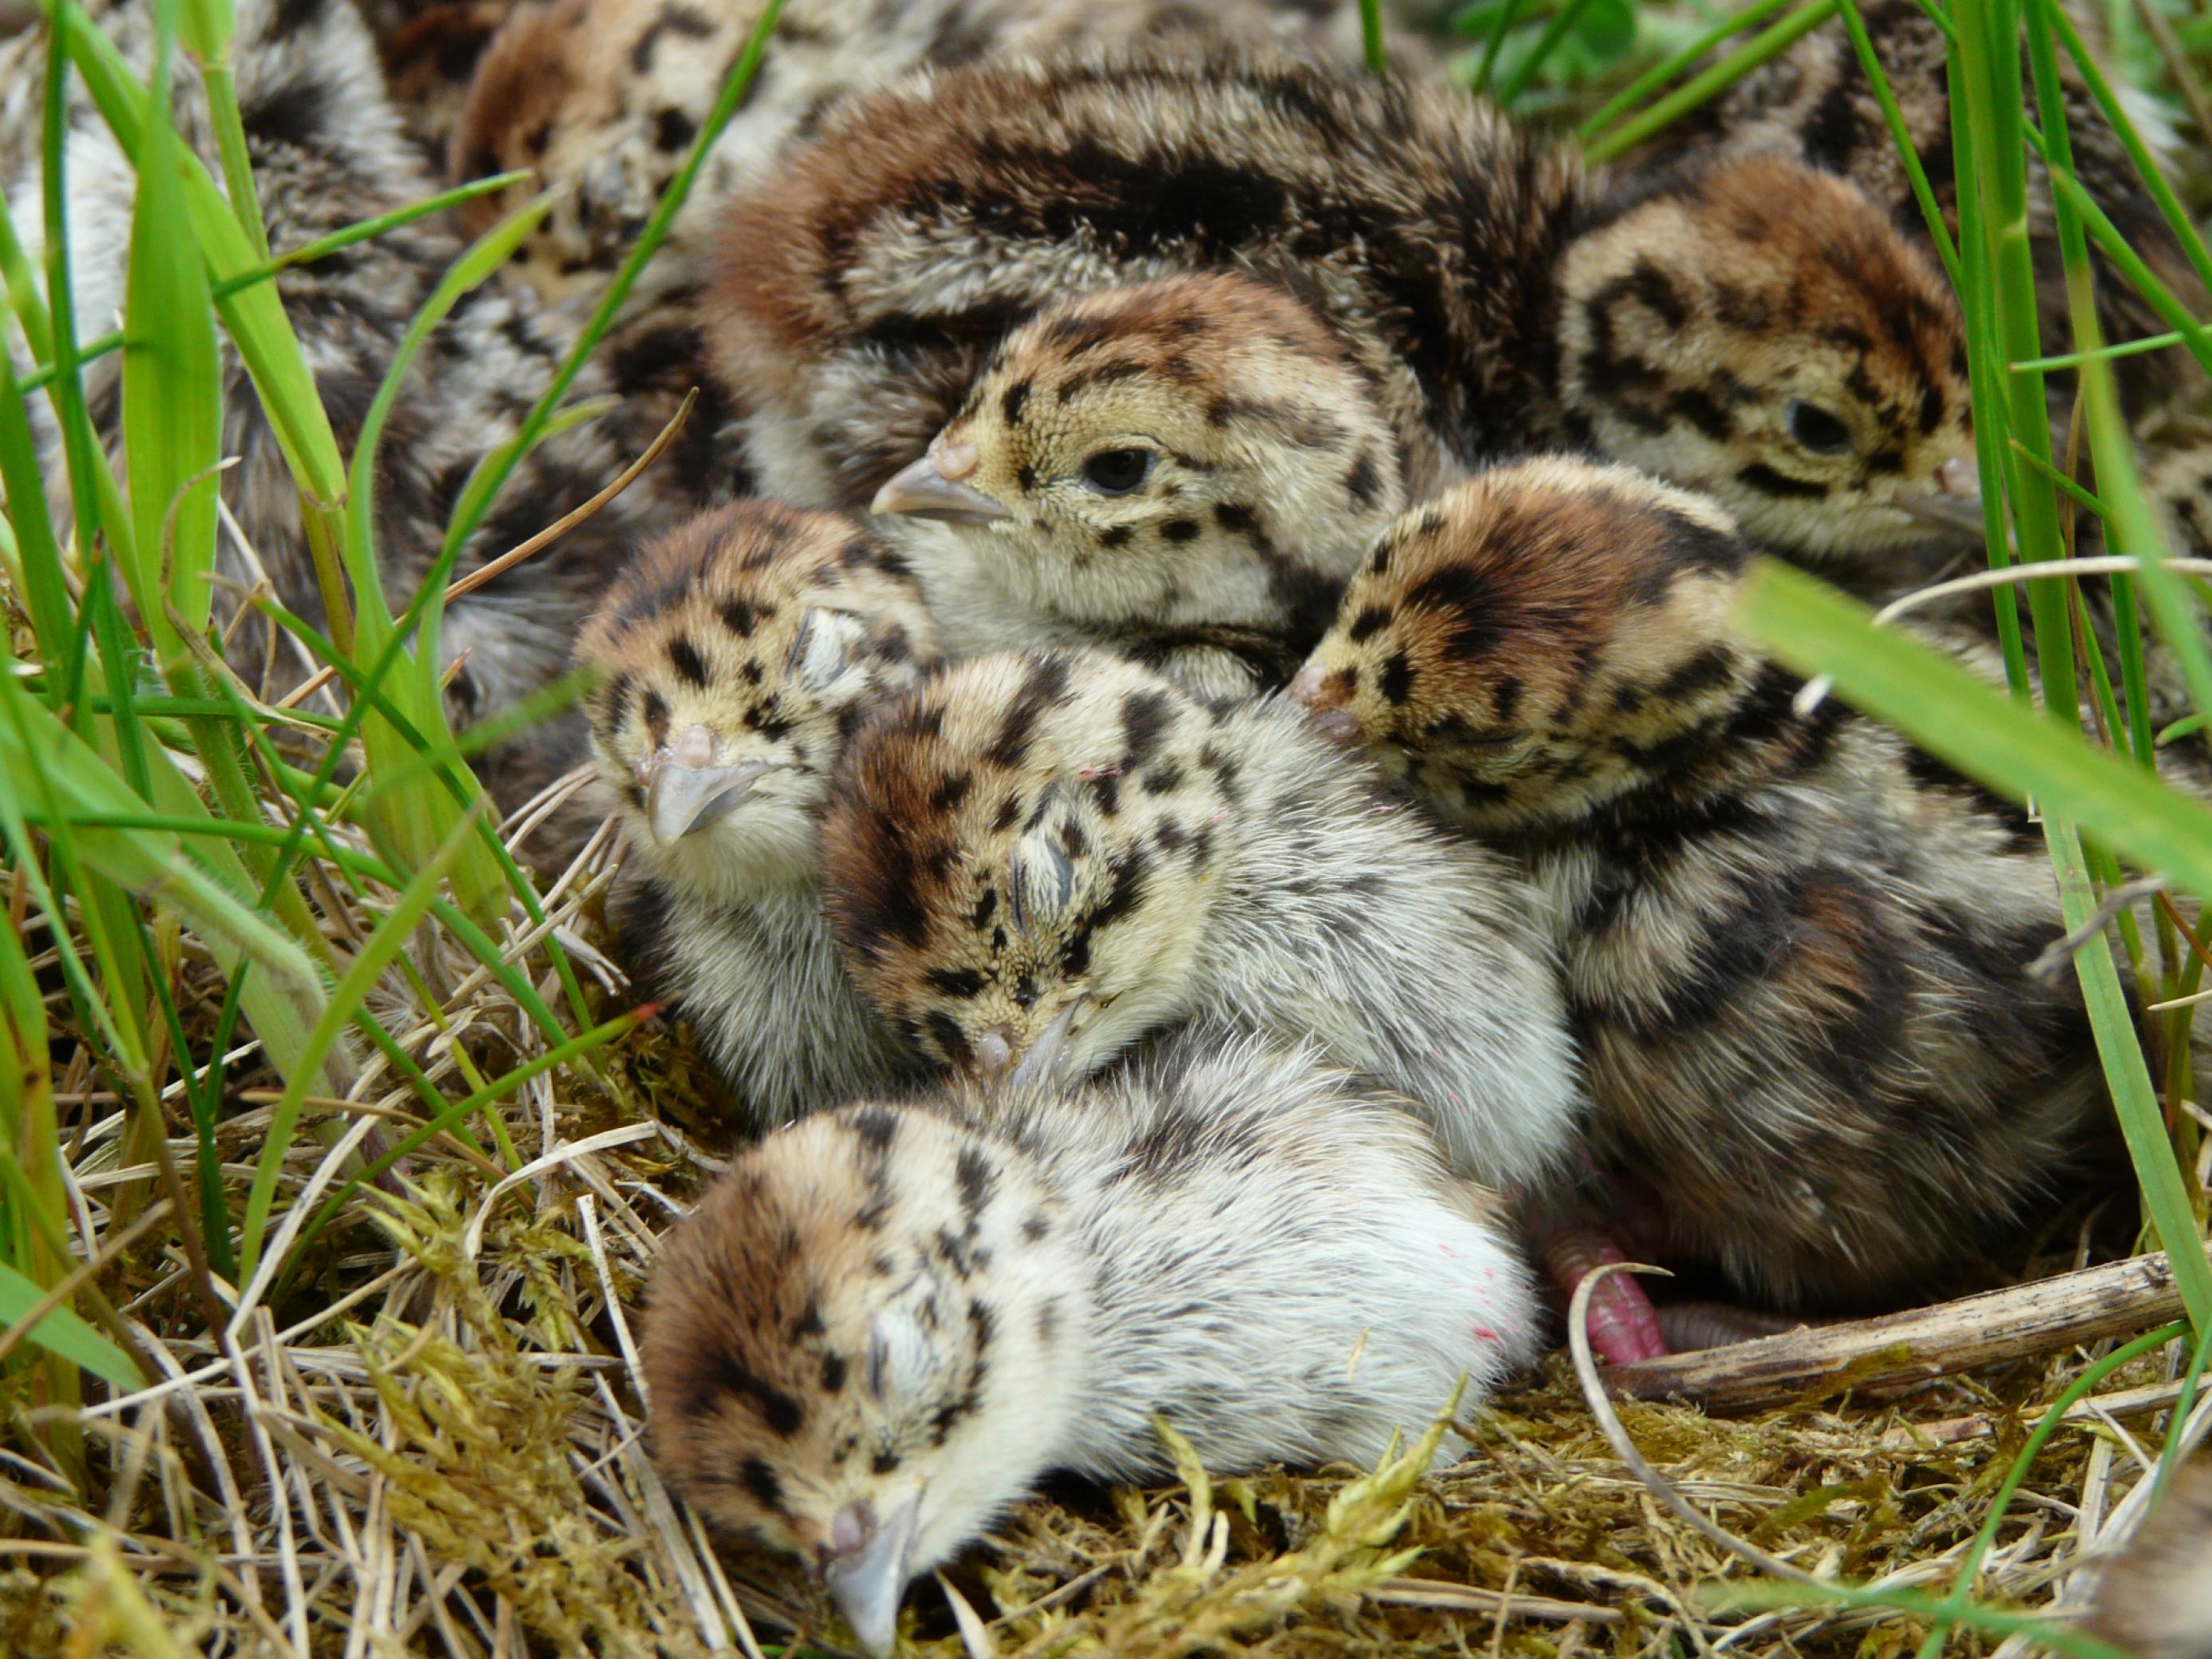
{"x": 433, "y": 1444}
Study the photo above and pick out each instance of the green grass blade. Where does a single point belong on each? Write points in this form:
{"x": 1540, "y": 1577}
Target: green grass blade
{"x": 389, "y": 938}
{"x": 64, "y": 1333}
{"x": 409, "y": 815}
{"x": 1660, "y": 73}
{"x": 1768, "y": 44}
{"x": 171, "y": 402}
{"x": 1973, "y": 727}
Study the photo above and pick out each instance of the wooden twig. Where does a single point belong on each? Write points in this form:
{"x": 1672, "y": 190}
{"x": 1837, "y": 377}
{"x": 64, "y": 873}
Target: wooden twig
{"x": 2121, "y": 1402}
{"x": 1472, "y": 1598}
{"x": 561, "y": 526}
{"x": 2117, "y": 1299}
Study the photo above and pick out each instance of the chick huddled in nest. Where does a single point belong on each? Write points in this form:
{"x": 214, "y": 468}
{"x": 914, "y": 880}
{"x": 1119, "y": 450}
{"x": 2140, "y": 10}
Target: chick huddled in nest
{"x": 733, "y": 660}
{"x": 1800, "y": 957}
{"x": 601, "y": 100}
{"x": 885, "y": 1323}
{"x": 1038, "y": 860}
{"x": 1751, "y": 328}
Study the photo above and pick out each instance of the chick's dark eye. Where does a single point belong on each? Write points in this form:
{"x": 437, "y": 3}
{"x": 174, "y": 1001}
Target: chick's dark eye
{"x": 1816, "y": 429}
{"x": 1117, "y": 471}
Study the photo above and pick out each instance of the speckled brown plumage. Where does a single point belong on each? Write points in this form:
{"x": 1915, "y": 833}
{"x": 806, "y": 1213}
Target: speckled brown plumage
{"x": 1185, "y": 470}
{"x": 1814, "y": 104}
{"x": 893, "y": 251}
{"x": 1796, "y": 952}
{"x": 885, "y": 1324}
{"x": 732, "y": 662}
{"x": 1040, "y": 860}
{"x": 601, "y": 99}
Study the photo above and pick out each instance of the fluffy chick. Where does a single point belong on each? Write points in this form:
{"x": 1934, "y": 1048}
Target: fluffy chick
{"x": 886, "y": 1323}
{"x": 1753, "y": 328}
{"x": 1814, "y": 104}
{"x": 1035, "y": 861}
{"x": 1186, "y": 469}
{"x": 601, "y": 100}
{"x": 733, "y": 660}
{"x": 1796, "y": 952}
{"x": 2155, "y": 1601}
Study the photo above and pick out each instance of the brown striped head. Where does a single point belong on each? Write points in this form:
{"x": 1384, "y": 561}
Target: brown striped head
{"x": 1201, "y": 451}
{"x": 1760, "y": 332}
{"x": 733, "y": 660}
{"x": 859, "y": 1348}
{"x": 1537, "y": 642}
{"x": 1020, "y": 858}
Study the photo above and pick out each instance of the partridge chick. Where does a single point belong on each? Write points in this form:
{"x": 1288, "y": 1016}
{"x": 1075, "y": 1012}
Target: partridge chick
{"x": 601, "y": 99}
{"x": 1814, "y": 104}
{"x": 734, "y": 658}
{"x": 880, "y": 1330}
{"x": 1185, "y": 470}
{"x": 1753, "y": 329}
{"x": 1035, "y": 861}
{"x": 1796, "y": 951}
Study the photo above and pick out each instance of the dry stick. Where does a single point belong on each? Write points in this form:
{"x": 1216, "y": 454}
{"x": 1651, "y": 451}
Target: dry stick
{"x": 2121, "y": 1402}
{"x": 2119, "y": 1298}
{"x": 562, "y": 526}
{"x": 1472, "y": 1598}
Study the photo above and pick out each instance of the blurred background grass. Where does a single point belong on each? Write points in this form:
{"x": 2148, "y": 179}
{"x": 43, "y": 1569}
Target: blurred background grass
{"x": 259, "y": 954}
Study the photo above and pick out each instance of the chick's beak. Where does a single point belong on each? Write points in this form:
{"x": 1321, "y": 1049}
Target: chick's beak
{"x": 685, "y": 790}
{"x": 1337, "y": 725}
{"x": 1956, "y": 506}
{"x": 930, "y": 490}
{"x": 1042, "y": 1062}
{"x": 868, "y": 1579}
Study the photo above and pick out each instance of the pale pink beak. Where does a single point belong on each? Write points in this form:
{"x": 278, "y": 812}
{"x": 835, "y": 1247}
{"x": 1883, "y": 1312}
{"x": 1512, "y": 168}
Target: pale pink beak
{"x": 931, "y": 489}
{"x": 1337, "y": 725}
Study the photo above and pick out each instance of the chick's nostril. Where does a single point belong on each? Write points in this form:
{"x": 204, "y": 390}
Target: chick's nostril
{"x": 1306, "y": 686}
{"x": 849, "y": 1531}
{"x": 955, "y": 461}
{"x": 1960, "y": 477}
{"x": 994, "y": 1051}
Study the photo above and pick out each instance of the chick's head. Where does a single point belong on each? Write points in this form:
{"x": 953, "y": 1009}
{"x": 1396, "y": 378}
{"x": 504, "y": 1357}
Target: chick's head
{"x": 1020, "y": 860}
{"x": 1761, "y": 332}
{"x": 1536, "y": 641}
{"x": 859, "y": 1348}
{"x": 1195, "y": 451}
{"x": 732, "y": 661}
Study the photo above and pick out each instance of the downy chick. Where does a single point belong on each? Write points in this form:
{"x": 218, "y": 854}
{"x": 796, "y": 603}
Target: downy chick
{"x": 735, "y": 658}
{"x": 1814, "y": 104}
{"x": 1754, "y": 329}
{"x": 601, "y": 100}
{"x": 1035, "y": 861}
{"x": 1796, "y": 951}
{"x": 1185, "y": 470}
{"x": 886, "y": 1323}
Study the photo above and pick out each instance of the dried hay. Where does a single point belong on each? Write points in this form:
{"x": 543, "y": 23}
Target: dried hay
{"x": 431, "y": 1443}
